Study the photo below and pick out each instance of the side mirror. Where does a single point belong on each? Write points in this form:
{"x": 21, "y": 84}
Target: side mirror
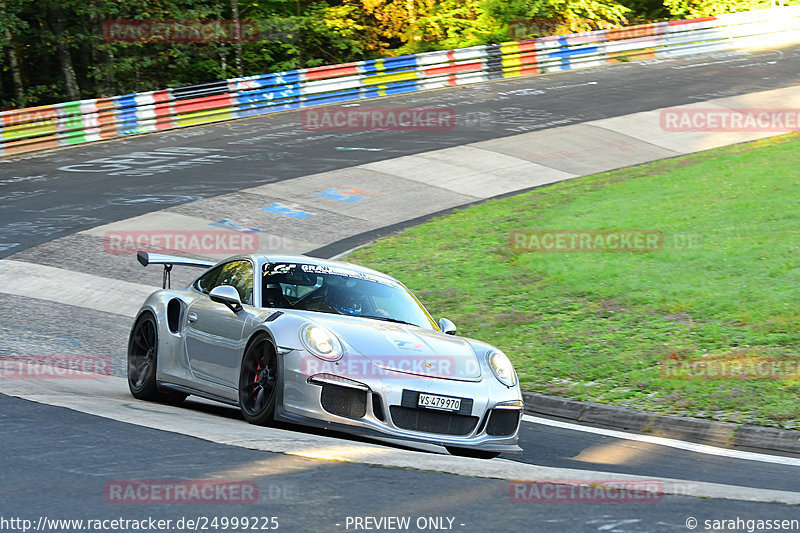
{"x": 447, "y": 326}
{"x": 228, "y": 295}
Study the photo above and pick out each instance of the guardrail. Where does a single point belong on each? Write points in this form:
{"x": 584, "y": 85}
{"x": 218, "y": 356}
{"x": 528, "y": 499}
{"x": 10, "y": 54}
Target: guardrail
{"x": 65, "y": 124}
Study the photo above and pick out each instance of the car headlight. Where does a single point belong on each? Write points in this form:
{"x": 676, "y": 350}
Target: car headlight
{"x": 321, "y": 342}
{"x": 502, "y": 368}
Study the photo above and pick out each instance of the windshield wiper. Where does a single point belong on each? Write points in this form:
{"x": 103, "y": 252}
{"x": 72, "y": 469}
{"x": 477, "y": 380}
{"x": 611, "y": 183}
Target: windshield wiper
{"x": 389, "y": 319}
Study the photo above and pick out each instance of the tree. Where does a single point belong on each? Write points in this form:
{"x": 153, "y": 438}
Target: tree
{"x": 63, "y": 42}
{"x": 562, "y": 16}
{"x": 11, "y": 24}
{"x": 452, "y": 24}
{"x": 704, "y": 8}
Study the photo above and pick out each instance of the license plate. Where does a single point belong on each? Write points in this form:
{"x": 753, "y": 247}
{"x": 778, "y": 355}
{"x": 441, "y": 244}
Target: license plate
{"x": 439, "y": 402}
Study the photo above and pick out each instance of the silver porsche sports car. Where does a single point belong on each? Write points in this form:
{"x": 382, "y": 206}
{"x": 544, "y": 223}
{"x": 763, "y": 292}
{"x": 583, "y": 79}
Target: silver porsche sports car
{"x": 322, "y": 343}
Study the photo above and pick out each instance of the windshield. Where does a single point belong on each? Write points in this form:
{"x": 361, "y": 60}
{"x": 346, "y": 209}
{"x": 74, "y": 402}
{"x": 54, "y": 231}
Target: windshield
{"x": 340, "y": 291}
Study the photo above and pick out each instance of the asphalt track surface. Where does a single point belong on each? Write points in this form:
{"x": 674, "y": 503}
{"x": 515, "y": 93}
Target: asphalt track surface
{"x": 305, "y": 495}
{"x": 55, "y": 461}
{"x": 51, "y": 195}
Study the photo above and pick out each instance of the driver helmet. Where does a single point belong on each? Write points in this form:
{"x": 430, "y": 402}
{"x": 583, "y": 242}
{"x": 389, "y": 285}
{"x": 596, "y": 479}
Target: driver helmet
{"x": 344, "y": 299}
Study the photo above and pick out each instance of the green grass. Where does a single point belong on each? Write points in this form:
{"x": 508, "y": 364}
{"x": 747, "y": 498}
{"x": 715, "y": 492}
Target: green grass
{"x": 597, "y": 326}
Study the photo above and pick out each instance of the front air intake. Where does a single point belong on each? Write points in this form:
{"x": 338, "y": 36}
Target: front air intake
{"x": 429, "y": 421}
{"x": 344, "y": 401}
{"x": 503, "y": 422}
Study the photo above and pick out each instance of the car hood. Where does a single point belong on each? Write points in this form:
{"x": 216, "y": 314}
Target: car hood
{"x": 404, "y": 348}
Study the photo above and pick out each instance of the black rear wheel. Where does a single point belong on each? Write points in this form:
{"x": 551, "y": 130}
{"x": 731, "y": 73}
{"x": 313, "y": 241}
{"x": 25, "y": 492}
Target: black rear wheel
{"x": 142, "y": 360}
{"x": 258, "y": 381}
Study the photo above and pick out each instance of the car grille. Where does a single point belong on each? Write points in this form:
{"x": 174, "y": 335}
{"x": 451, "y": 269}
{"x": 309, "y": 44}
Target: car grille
{"x": 344, "y": 401}
{"x": 429, "y": 421}
{"x": 503, "y": 422}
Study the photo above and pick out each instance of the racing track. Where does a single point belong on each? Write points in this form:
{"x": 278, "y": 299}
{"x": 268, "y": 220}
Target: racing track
{"x": 58, "y": 207}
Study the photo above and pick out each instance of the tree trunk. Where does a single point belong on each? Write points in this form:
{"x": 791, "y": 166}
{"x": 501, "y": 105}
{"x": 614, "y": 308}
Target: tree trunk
{"x": 94, "y": 54}
{"x": 300, "y": 49}
{"x": 13, "y": 63}
{"x": 16, "y": 75}
{"x": 64, "y": 57}
{"x": 222, "y": 48}
{"x": 238, "y": 34}
{"x": 108, "y": 87}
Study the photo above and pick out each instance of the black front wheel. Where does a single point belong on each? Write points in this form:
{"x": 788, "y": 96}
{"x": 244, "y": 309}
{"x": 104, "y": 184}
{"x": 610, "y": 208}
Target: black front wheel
{"x": 468, "y": 452}
{"x": 142, "y": 360}
{"x": 258, "y": 381}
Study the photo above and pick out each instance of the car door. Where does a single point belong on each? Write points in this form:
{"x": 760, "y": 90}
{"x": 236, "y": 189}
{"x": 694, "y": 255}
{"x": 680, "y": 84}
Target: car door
{"x": 212, "y": 332}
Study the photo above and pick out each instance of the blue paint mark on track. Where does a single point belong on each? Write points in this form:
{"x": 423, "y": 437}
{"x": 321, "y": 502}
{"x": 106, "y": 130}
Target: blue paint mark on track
{"x": 340, "y": 196}
{"x": 288, "y": 210}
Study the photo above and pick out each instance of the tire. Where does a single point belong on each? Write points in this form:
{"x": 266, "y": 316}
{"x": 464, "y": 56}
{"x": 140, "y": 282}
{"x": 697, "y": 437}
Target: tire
{"x": 142, "y": 361}
{"x": 258, "y": 381}
{"x": 468, "y": 452}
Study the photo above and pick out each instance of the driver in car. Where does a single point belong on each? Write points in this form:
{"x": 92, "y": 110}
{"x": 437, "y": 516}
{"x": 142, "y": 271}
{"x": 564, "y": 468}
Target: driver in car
{"x": 344, "y": 300}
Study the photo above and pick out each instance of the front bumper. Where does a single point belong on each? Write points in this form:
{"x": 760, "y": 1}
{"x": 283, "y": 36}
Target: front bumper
{"x": 385, "y": 405}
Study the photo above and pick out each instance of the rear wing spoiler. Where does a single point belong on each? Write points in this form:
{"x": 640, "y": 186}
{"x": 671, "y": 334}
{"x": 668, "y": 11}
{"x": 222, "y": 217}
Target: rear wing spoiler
{"x": 168, "y": 261}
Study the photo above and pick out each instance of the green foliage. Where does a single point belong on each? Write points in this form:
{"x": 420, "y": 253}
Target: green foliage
{"x": 645, "y": 10}
{"x": 561, "y": 16}
{"x": 334, "y": 34}
{"x": 451, "y": 24}
{"x": 704, "y": 8}
{"x": 292, "y": 34}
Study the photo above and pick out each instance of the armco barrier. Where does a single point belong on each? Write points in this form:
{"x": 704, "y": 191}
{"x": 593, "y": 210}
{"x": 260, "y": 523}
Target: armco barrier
{"x": 39, "y": 128}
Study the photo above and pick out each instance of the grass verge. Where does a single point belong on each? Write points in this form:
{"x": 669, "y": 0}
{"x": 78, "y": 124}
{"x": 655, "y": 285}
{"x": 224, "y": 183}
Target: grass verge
{"x": 705, "y": 327}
